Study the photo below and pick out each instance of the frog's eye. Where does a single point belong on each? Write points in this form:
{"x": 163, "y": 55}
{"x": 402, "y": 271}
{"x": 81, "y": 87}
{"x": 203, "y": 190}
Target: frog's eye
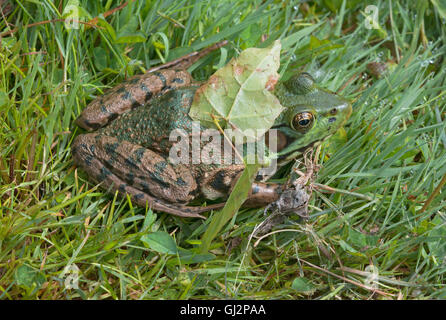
{"x": 302, "y": 121}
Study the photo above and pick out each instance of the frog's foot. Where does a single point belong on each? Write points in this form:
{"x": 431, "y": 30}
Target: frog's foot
{"x": 141, "y": 173}
{"x": 290, "y": 201}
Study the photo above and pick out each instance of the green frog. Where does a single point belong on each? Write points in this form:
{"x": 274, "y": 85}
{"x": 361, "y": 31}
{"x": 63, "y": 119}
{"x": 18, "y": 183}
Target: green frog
{"x": 127, "y": 145}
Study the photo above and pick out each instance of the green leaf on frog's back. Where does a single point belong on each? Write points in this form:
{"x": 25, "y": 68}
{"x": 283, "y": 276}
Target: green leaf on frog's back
{"x": 100, "y": 58}
{"x": 160, "y": 241}
{"x": 29, "y": 277}
{"x": 302, "y": 285}
{"x": 237, "y": 96}
{"x": 233, "y": 204}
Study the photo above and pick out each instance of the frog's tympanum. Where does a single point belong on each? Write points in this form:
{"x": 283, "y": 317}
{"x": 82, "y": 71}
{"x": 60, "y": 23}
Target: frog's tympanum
{"x": 127, "y": 147}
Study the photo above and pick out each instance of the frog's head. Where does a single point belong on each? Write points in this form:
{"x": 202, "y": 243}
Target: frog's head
{"x": 311, "y": 114}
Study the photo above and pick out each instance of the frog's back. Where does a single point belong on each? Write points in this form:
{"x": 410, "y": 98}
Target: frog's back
{"x": 131, "y": 94}
{"x": 150, "y": 125}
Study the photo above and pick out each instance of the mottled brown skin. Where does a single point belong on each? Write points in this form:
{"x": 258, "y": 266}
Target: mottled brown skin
{"x": 128, "y": 145}
{"x": 132, "y": 93}
{"x": 128, "y": 152}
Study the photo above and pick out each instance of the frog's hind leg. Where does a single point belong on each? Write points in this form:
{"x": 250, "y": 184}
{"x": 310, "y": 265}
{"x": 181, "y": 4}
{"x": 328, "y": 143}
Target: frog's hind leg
{"x": 130, "y": 94}
{"x": 143, "y": 174}
{"x": 220, "y": 183}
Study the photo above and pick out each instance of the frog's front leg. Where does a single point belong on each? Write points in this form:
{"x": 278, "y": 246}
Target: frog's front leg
{"x": 132, "y": 93}
{"x": 143, "y": 174}
{"x": 219, "y": 184}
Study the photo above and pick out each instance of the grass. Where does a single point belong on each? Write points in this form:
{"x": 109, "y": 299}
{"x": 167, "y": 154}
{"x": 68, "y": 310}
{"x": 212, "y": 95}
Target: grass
{"x": 379, "y": 234}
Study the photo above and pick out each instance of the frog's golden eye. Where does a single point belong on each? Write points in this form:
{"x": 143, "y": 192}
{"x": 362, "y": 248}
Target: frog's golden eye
{"x": 303, "y": 121}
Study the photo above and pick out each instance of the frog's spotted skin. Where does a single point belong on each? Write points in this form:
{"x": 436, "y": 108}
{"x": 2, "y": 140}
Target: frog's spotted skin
{"x": 150, "y": 125}
{"x": 130, "y": 94}
{"x": 150, "y": 183}
{"x": 129, "y": 150}
{"x": 119, "y": 157}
